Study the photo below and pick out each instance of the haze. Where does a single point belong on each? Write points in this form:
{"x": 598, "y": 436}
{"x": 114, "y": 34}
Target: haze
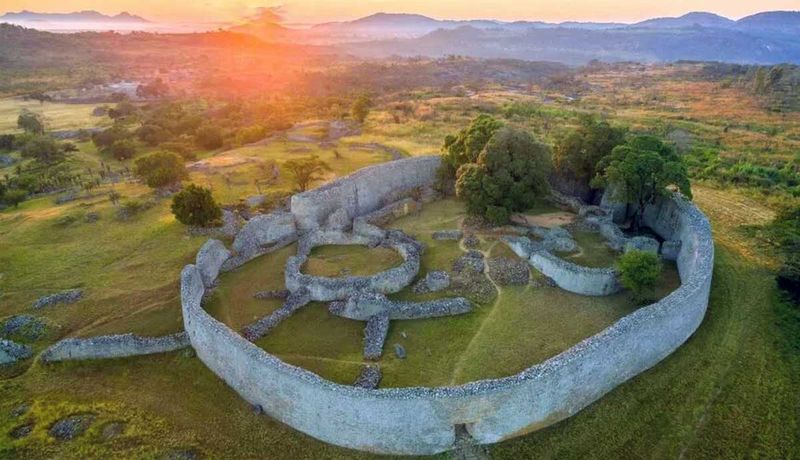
{"x": 314, "y": 11}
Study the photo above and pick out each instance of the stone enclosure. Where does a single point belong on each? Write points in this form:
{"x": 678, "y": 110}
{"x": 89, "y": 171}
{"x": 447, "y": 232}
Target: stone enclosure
{"x": 417, "y": 421}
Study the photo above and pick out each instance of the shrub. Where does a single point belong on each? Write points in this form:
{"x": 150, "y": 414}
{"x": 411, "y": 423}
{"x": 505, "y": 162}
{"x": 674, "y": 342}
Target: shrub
{"x": 44, "y": 149}
{"x": 152, "y": 134}
{"x": 131, "y": 208}
{"x": 161, "y": 169}
{"x": 30, "y": 122}
{"x": 108, "y": 137}
{"x": 305, "y": 171}
{"x": 789, "y": 278}
{"x": 195, "y": 206}
{"x": 6, "y": 141}
{"x": 181, "y": 148}
{"x": 360, "y": 109}
{"x": 639, "y": 272}
{"x": 122, "y": 150}
{"x": 14, "y": 197}
{"x": 209, "y": 137}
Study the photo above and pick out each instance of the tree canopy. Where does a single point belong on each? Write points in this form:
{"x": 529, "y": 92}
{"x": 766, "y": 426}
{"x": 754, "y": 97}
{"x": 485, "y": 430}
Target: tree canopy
{"x": 161, "y": 169}
{"x": 44, "y": 149}
{"x": 195, "y": 206}
{"x": 639, "y": 272}
{"x": 578, "y": 152}
{"x": 30, "y": 122}
{"x": 510, "y": 172}
{"x": 465, "y": 146}
{"x": 640, "y": 171}
{"x": 360, "y": 109}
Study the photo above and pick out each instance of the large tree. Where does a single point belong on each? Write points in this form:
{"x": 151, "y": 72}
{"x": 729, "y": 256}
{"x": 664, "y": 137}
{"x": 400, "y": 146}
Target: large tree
{"x": 196, "y": 207}
{"x": 578, "y": 152}
{"x": 465, "y": 146}
{"x": 640, "y": 171}
{"x": 510, "y": 173}
{"x": 44, "y": 149}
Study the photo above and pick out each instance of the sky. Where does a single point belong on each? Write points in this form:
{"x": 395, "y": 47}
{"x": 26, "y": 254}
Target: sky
{"x": 315, "y": 11}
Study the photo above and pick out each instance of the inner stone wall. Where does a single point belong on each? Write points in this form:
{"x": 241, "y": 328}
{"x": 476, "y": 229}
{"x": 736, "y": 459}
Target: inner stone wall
{"x": 423, "y": 420}
{"x": 364, "y": 191}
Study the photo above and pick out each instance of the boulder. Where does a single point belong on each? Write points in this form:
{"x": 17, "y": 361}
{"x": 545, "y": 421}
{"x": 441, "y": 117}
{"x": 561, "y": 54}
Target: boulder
{"x": 339, "y": 220}
{"x": 642, "y": 243}
{"x": 210, "y": 258}
{"x": 433, "y": 282}
{"x": 71, "y": 427}
{"x": 670, "y": 250}
{"x": 399, "y": 351}
{"x": 264, "y": 231}
{"x": 255, "y": 201}
{"x": 11, "y": 352}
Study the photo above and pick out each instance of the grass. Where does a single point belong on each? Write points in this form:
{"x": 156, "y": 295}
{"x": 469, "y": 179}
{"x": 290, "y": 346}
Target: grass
{"x": 57, "y": 116}
{"x": 350, "y": 260}
{"x": 594, "y": 252}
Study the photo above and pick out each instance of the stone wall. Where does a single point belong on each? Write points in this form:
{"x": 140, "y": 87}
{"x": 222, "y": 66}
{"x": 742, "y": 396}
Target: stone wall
{"x": 363, "y": 192}
{"x": 424, "y": 420}
{"x": 575, "y": 278}
{"x": 113, "y": 346}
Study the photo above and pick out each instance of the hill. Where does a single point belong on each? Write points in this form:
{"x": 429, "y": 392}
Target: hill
{"x": 693, "y": 19}
{"x": 79, "y": 16}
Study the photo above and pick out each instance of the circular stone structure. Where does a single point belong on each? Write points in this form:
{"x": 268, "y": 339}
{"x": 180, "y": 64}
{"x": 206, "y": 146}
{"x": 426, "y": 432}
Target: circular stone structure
{"x": 326, "y": 289}
{"x": 419, "y": 421}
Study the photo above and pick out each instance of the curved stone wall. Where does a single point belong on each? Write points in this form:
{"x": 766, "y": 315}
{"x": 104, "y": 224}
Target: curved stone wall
{"x": 364, "y": 191}
{"x": 575, "y": 278}
{"x": 424, "y": 420}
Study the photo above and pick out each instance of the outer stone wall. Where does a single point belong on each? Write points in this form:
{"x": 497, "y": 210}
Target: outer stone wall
{"x": 363, "y": 192}
{"x": 424, "y": 420}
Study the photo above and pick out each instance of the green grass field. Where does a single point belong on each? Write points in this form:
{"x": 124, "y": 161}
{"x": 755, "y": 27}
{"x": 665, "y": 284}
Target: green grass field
{"x": 57, "y": 116}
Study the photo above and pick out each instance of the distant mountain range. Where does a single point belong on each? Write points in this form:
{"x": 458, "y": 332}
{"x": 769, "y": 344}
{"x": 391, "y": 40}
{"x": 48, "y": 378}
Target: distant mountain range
{"x": 79, "y": 16}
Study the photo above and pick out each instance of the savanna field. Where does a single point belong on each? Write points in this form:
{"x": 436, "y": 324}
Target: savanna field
{"x": 94, "y": 218}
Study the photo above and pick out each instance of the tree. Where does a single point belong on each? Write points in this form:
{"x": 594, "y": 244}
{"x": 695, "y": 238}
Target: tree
{"x": 305, "y": 171}
{"x": 153, "y": 134}
{"x": 30, "y": 122}
{"x": 209, "y": 137}
{"x": 639, "y": 272}
{"x": 195, "y": 206}
{"x": 161, "y": 169}
{"x": 123, "y": 110}
{"x": 122, "y": 150}
{"x": 578, "y": 152}
{"x": 360, "y": 109}
{"x": 640, "y": 172}
{"x": 510, "y": 173}
{"x": 155, "y": 89}
{"x": 14, "y": 197}
{"x": 44, "y": 149}
{"x": 109, "y": 136}
{"x": 465, "y": 146}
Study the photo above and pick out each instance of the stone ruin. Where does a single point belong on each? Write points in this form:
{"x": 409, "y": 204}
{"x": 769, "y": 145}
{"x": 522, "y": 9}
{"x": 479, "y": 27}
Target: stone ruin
{"x": 423, "y": 421}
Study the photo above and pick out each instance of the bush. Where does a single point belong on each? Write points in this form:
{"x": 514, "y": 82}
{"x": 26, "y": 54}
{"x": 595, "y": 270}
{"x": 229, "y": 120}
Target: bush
{"x": 14, "y": 197}
{"x": 639, "y": 272}
{"x": 195, "y": 206}
{"x": 122, "y": 150}
{"x": 209, "y": 137}
{"x": 30, "y": 122}
{"x": 789, "y": 278}
{"x": 181, "y": 148}
{"x": 6, "y": 141}
{"x": 131, "y": 208}
{"x": 161, "y": 169}
{"x": 360, "y": 109}
{"x": 108, "y": 137}
{"x": 152, "y": 134}
{"x": 44, "y": 149}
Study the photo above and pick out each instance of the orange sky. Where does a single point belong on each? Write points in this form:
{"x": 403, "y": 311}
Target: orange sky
{"x": 312, "y": 11}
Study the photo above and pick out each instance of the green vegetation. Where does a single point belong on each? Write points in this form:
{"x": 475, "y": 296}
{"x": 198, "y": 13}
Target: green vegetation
{"x": 639, "y": 272}
{"x": 30, "y": 122}
{"x": 195, "y": 206}
{"x": 511, "y": 172}
{"x": 640, "y": 171}
{"x": 350, "y": 260}
{"x": 361, "y": 107}
{"x": 305, "y": 171}
{"x": 161, "y": 169}
{"x": 578, "y": 152}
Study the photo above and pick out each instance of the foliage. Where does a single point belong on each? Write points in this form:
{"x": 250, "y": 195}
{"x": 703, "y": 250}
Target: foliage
{"x": 789, "y": 277}
{"x": 465, "y": 146}
{"x": 195, "y": 206}
{"x": 639, "y": 272}
{"x": 578, "y": 152}
{"x": 639, "y": 172}
{"x": 155, "y": 89}
{"x": 152, "y": 134}
{"x": 785, "y": 232}
{"x": 510, "y": 173}
{"x": 122, "y": 150}
{"x": 44, "y": 149}
{"x": 305, "y": 171}
{"x": 109, "y": 136}
{"x": 123, "y": 110}
{"x": 30, "y": 122}
{"x": 361, "y": 107}
{"x": 13, "y": 197}
{"x": 7, "y": 141}
{"x": 161, "y": 169}
{"x": 209, "y": 137}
